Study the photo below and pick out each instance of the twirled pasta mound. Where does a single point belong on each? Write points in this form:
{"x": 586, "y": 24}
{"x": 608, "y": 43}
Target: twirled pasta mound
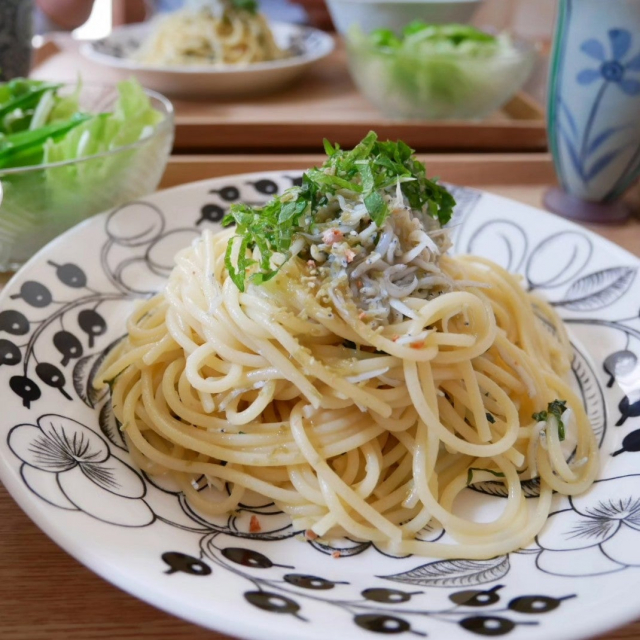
{"x": 361, "y": 378}
{"x": 220, "y": 32}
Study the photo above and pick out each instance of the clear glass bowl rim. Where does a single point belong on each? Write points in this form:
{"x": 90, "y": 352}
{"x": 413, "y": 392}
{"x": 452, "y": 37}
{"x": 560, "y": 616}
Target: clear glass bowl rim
{"x": 522, "y": 50}
{"x": 160, "y": 128}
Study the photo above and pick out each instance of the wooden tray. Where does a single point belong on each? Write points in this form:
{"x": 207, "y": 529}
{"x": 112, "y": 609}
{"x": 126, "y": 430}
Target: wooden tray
{"x": 82, "y": 607}
{"x": 324, "y": 104}
{"x": 465, "y": 169}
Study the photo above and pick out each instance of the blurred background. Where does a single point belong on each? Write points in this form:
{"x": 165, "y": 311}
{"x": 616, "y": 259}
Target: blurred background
{"x": 523, "y": 18}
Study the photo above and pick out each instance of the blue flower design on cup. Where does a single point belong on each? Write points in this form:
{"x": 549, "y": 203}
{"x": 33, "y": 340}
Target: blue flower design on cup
{"x": 612, "y": 70}
{"x": 598, "y": 534}
{"x": 594, "y": 97}
{"x": 71, "y": 467}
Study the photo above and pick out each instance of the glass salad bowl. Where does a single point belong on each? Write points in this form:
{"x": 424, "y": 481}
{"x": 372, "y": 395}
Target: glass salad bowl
{"x": 414, "y": 79}
{"x": 107, "y": 160}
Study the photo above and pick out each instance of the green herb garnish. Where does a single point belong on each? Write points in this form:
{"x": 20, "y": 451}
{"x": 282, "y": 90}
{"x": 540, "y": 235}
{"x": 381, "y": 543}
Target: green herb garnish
{"x": 497, "y": 474}
{"x": 556, "y": 409}
{"x": 245, "y": 5}
{"x": 371, "y": 170}
{"x": 490, "y": 418}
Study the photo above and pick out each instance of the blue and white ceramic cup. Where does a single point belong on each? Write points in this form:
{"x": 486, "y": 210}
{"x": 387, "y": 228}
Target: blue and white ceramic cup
{"x": 594, "y": 107}
{"x": 15, "y": 38}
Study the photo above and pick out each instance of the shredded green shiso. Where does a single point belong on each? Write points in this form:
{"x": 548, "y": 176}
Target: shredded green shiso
{"x": 555, "y": 409}
{"x": 368, "y": 176}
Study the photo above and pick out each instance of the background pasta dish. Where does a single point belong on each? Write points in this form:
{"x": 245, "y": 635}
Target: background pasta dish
{"x": 213, "y": 32}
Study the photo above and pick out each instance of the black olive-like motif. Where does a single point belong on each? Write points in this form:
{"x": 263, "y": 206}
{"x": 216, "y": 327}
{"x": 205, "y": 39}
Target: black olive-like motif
{"x": 52, "y": 376}
{"x": 92, "y": 323}
{"x": 631, "y": 443}
{"x": 247, "y": 557}
{"x": 380, "y": 623}
{"x": 211, "y": 213}
{"x": 388, "y": 596}
{"x": 70, "y": 274}
{"x": 488, "y": 625}
{"x": 34, "y": 294}
{"x": 273, "y": 602}
{"x": 268, "y": 187}
{"x": 9, "y": 353}
{"x": 310, "y": 582}
{"x": 229, "y": 194}
{"x": 535, "y": 604}
{"x": 26, "y": 389}
{"x": 476, "y": 597}
{"x": 619, "y": 364}
{"x": 186, "y": 564}
{"x": 14, "y": 322}
{"x": 629, "y": 407}
{"x": 68, "y": 345}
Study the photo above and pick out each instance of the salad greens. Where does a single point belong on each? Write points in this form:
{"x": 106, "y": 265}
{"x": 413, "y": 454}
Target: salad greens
{"x": 419, "y": 36}
{"x": 436, "y": 70}
{"x": 38, "y": 126}
{"x": 373, "y": 169}
{"x": 132, "y": 118}
{"x": 54, "y": 162}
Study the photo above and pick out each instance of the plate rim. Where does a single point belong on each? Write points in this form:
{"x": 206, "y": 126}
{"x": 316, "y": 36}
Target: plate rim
{"x": 619, "y": 612}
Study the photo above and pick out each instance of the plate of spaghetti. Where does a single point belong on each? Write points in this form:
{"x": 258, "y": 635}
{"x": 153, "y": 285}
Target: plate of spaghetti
{"x": 351, "y": 402}
{"x": 212, "y": 48}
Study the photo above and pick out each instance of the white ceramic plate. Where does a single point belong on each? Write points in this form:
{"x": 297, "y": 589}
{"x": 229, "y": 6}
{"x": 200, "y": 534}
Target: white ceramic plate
{"x": 307, "y": 46}
{"x": 64, "y": 461}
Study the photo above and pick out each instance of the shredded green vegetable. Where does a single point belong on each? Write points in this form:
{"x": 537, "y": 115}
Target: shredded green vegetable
{"x": 438, "y": 38}
{"x": 38, "y": 126}
{"x": 497, "y": 474}
{"x": 372, "y": 169}
{"x": 556, "y": 409}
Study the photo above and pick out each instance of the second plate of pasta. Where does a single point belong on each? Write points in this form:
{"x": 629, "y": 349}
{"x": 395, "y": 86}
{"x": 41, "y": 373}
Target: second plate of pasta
{"x": 164, "y": 64}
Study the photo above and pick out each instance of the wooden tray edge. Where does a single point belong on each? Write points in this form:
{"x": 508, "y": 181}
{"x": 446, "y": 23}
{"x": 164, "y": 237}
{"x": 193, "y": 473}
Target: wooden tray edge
{"x": 468, "y": 169}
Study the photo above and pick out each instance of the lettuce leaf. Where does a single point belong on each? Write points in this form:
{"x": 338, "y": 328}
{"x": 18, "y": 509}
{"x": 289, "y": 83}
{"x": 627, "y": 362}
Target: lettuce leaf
{"x": 432, "y": 70}
{"x": 133, "y": 118}
{"x": 41, "y": 203}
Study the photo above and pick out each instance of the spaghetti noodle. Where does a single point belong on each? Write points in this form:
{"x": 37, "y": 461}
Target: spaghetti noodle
{"x": 362, "y": 381}
{"x": 215, "y": 33}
